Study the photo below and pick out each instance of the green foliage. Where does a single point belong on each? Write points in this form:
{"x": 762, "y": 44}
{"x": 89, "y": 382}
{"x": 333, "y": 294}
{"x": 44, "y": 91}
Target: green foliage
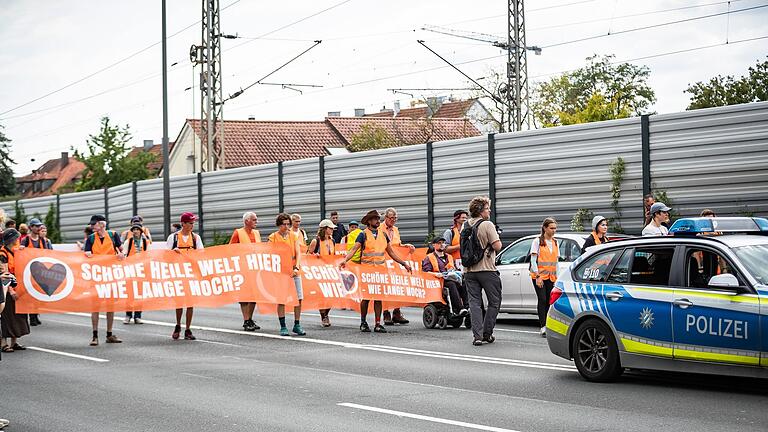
{"x": 19, "y": 216}
{"x": 51, "y": 222}
{"x": 371, "y": 137}
{"x": 218, "y": 239}
{"x": 598, "y": 91}
{"x": 431, "y": 236}
{"x": 580, "y": 218}
{"x": 107, "y": 162}
{"x": 660, "y": 195}
{"x": 617, "y": 170}
{"x": 7, "y": 180}
{"x": 728, "y": 90}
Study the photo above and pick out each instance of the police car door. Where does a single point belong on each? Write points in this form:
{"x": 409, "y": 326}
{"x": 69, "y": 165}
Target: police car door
{"x": 713, "y": 321}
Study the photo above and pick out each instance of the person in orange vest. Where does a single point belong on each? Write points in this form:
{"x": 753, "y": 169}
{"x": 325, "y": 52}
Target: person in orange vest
{"x": 444, "y": 266}
{"x": 299, "y": 232}
{"x": 599, "y": 234}
{"x": 453, "y": 234}
{"x": 14, "y": 325}
{"x": 285, "y": 235}
{"x": 247, "y": 234}
{"x": 136, "y": 220}
{"x": 136, "y": 242}
{"x": 37, "y": 241}
{"x": 390, "y": 218}
{"x": 323, "y": 245}
{"x": 180, "y": 241}
{"x": 374, "y": 243}
{"x": 544, "y": 257}
{"x": 102, "y": 242}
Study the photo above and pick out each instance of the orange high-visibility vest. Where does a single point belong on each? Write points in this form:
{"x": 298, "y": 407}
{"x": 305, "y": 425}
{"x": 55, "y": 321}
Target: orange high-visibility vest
{"x": 326, "y": 247}
{"x": 243, "y": 237}
{"x": 547, "y": 262}
{"x": 41, "y": 243}
{"x": 8, "y": 254}
{"x": 375, "y": 247}
{"x": 133, "y": 247}
{"x": 103, "y": 246}
{"x": 394, "y": 236}
{"x": 436, "y": 265}
{"x": 455, "y": 240}
{"x": 291, "y": 240}
{"x": 190, "y": 243}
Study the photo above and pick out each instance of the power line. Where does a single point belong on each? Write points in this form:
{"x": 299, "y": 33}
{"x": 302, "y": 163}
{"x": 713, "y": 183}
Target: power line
{"x": 529, "y": 10}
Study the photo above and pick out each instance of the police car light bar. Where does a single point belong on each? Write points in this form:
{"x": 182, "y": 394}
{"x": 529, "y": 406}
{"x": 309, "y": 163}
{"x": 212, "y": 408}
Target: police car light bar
{"x": 702, "y": 225}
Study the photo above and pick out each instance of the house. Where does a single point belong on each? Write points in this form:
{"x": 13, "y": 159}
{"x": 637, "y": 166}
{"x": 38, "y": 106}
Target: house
{"x": 152, "y": 148}
{"x": 55, "y": 176}
{"x": 255, "y": 142}
{"x": 442, "y": 107}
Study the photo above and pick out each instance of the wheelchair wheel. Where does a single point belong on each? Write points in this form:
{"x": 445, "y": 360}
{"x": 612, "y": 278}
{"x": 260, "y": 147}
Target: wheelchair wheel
{"x": 429, "y": 316}
{"x": 442, "y": 323}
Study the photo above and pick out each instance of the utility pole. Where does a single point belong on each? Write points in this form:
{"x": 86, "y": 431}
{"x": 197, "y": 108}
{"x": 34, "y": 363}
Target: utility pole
{"x": 518, "y": 114}
{"x": 166, "y": 174}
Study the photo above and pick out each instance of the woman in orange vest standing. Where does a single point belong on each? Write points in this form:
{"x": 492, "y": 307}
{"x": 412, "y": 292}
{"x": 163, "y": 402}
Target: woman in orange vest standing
{"x": 285, "y": 235}
{"x": 323, "y": 245}
{"x": 247, "y": 234}
{"x": 599, "y": 234}
{"x": 179, "y": 241}
{"x": 136, "y": 242}
{"x": 102, "y": 242}
{"x": 14, "y": 325}
{"x": 544, "y": 253}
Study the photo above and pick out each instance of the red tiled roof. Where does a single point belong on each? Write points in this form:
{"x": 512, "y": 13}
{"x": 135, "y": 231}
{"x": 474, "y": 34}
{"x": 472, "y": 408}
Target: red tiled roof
{"x": 457, "y": 109}
{"x": 156, "y": 150}
{"x": 406, "y": 130}
{"x": 52, "y": 170}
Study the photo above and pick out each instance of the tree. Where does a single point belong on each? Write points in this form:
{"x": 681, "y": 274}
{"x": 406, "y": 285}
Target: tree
{"x": 107, "y": 162}
{"x": 371, "y": 137}
{"x": 7, "y": 180}
{"x": 728, "y": 90}
{"x": 18, "y": 213}
{"x": 598, "y": 91}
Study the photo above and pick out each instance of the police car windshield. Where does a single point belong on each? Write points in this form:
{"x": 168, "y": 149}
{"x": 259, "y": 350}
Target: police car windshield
{"x": 755, "y": 259}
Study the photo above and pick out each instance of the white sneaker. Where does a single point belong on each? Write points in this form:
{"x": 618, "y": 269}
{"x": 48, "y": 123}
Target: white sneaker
{"x": 127, "y": 320}
{"x": 543, "y": 332}
{"x": 138, "y": 321}
{"x": 4, "y": 423}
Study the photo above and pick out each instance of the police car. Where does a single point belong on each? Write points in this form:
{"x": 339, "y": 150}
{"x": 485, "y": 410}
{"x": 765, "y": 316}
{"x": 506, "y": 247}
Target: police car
{"x": 696, "y": 301}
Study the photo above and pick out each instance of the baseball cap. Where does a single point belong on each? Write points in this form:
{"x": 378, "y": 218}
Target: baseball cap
{"x": 438, "y": 239}
{"x": 659, "y": 207}
{"x": 137, "y": 226}
{"x": 188, "y": 217}
{"x": 326, "y": 223}
{"x": 34, "y": 222}
{"x": 354, "y": 222}
{"x": 97, "y": 218}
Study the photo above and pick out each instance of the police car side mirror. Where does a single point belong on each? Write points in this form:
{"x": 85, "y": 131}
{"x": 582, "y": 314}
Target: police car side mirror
{"x": 726, "y": 280}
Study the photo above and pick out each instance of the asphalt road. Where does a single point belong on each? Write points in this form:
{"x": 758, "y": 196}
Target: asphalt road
{"x": 338, "y": 379}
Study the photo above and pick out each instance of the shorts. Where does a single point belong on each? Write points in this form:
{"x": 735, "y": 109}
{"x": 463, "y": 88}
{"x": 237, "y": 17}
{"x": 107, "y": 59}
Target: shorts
{"x": 299, "y": 289}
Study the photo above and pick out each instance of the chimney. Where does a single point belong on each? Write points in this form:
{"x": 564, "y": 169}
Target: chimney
{"x": 148, "y": 144}
{"x": 433, "y": 104}
{"x": 334, "y": 113}
{"x": 251, "y": 117}
{"x": 397, "y": 108}
{"x": 359, "y": 112}
{"x": 64, "y": 159}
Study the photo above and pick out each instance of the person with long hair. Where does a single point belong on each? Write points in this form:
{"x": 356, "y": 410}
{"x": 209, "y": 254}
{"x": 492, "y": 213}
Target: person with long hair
{"x": 544, "y": 257}
{"x": 324, "y": 246}
{"x": 599, "y": 234}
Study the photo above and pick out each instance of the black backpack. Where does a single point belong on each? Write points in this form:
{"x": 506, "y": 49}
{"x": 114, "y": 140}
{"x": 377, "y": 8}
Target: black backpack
{"x": 469, "y": 245}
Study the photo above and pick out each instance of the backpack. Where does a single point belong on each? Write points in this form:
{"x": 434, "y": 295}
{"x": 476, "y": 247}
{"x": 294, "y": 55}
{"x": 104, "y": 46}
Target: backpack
{"x": 469, "y": 245}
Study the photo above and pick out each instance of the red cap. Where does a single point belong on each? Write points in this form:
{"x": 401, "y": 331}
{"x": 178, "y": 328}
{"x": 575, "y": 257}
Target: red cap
{"x": 188, "y": 217}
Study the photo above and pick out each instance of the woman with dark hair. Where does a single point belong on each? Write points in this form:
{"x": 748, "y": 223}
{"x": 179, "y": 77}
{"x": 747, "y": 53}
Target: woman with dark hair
{"x": 322, "y": 245}
{"x": 14, "y": 325}
{"x": 599, "y": 233}
{"x": 544, "y": 257}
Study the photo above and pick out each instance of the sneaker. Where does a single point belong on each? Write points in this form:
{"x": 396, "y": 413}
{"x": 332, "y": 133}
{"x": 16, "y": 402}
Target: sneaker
{"x": 543, "y": 332}
{"x": 388, "y": 318}
{"x": 254, "y": 325}
{"x": 176, "y": 332}
{"x": 94, "y": 341}
{"x": 489, "y": 338}
{"x": 127, "y": 320}
{"x": 378, "y": 328}
{"x": 364, "y": 328}
{"x": 284, "y": 331}
{"x": 4, "y": 423}
{"x": 138, "y": 321}
{"x": 247, "y": 326}
{"x": 113, "y": 339}
{"x": 326, "y": 321}
{"x": 477, "y": 342}
{"x": 463, "y": 312}
{"x": 188, "y": 335}
{"x": 298, "y": 330}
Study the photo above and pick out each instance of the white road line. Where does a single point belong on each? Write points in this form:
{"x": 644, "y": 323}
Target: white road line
{"x": 68, "y": 323}
{"x": 426, "y": 418}
{"x": 62, "y": 353}
{"x": 515, "y": 331}
{"x": 217, "y": 343}
{"x": 195, "y": 375}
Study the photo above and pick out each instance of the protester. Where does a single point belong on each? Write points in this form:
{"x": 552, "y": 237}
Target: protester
{"x": 175, "y": 227}
{"x": 324, "y": 245}
{"x": 36, "y": 239}
{"x": 247, "y": 234}
{"x": 286, "y": 235}
{"x": 136, "y": 242}
{"x": 648, "y": 201}
{"x": 599, "y": 233}
{"x": 102, "y": 242}
{"x": 299, "y": 232}
{"x": 453, "y": 234}
{"x": 136, "y": 220}
{"x": 374, "y": 243}
{"x": 659, "y": 217}
{"x": 482, "y": 276}
{"x": 180, "y": 241}
{"x": 23, "y": 230}
{"x": 354, "y": 231}
{"x": 10, "y": 223}
{"x": 14, "y": 325}
{"x": 87, "y": 231}
{"x": 393, "y": 233}
{"x": 339, "y": 232}
{"x": 444, "y": 266}
{"x": 544, "y": 257}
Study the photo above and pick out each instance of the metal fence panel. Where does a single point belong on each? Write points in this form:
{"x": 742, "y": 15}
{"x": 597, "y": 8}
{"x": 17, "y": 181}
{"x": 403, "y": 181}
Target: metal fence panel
{"x": 712, "y": 158}
{"x": 34, "y": 207}
{"x": 76, "y": 211}
{"x": 149, "y": 200}
{"x": 183, "y": 191}
{"x": 554, "y": 172}
{"x": 301, "y": 192}
{"x": 120, "y": 199}
{"x": 358, "y": 182}
{"x": 228, "y": 194}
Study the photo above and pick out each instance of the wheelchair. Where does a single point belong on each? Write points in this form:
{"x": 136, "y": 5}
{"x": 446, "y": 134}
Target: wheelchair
{"x": 440, "y": 315}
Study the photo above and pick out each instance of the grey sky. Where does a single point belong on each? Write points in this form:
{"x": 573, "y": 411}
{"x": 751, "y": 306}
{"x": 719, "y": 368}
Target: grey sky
{"x": 49, "y": 44}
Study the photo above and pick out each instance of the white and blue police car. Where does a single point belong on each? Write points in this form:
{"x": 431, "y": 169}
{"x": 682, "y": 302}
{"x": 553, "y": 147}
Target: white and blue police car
{"x": 695, "y": 301}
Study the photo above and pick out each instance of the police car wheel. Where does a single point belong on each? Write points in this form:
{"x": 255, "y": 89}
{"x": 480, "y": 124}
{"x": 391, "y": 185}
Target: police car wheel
{"x": 595, "y": 352}
{"x": 429, "y": 316}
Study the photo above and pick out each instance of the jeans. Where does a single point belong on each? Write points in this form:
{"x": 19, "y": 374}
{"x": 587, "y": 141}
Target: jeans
{"x": 477, "y": 282}
{"x": 542, "y": 294}
{"x": 136, "y": 314}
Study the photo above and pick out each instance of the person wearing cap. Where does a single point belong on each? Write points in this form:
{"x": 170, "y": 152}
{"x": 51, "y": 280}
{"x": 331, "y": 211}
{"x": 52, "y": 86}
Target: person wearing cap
{"x": 35, "y": 240}
{"x": 14, "y": 325}
{"x": 247, "y": 234}
{"x": 659, "y": 216}
{"x": 339, "y": 232}
{"x": 544, "y": 258}
{"x": 323, "y": 245}
{"x": 285, "y": 235}
{"x": 374, "y": 244}
{"x": 444, "y": 266}
{"x": 452, "y": 235}
{"x": 390, "y": 218}
{"x": 180, "y": 241}
{"x": 136, "y": 220}
{"x": 136, "y": 242}
{"x": 351, "y": 237}
{"x": 102, "y": 242}
{"x": 599, "y": 234}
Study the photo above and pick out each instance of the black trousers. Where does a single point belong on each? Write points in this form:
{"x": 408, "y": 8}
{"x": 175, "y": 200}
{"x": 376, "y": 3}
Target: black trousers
{"x": 477, "y": 283}
{"x": 458, "y": 295}
{"x": 542, "y": 294}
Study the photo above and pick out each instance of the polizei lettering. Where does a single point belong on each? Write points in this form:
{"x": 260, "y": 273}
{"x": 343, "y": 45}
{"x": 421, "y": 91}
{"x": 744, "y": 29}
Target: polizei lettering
{"x": 717, "y": 326}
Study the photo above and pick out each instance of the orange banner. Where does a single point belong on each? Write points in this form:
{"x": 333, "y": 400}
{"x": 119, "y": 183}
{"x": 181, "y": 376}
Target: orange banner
{"x": 51, "y": 281}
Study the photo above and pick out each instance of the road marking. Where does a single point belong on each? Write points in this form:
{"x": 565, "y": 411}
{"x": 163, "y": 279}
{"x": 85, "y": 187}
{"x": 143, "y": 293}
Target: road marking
{"x": 516, "y": 331}
{"x": 195, "y": 375}
{"x": 68, "y": 323}
{"x": 381, "y": 348}
{"x": 62, "y": 353}
{"x": 217, "y": 343}
{"x": 334, "y": 316}
{"x": 425, "y": 418}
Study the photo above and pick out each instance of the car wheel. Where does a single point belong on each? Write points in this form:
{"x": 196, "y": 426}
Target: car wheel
{"x": 429, "y": 316}
{"x": 595, "y": 352}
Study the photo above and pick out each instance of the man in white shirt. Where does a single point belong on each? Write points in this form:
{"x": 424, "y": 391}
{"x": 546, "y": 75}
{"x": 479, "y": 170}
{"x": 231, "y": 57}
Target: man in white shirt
{"x": 659, "y": 215}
